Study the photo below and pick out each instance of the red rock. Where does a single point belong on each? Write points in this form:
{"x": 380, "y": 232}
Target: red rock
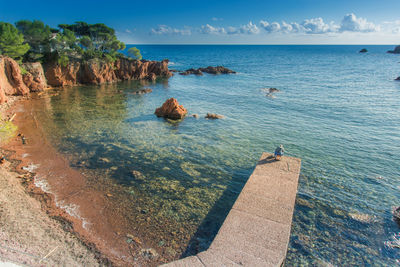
{"x": 11, "y": 82}
{"x": 58, "y": 75}
{"x": 34, "y": 79}
{"x": 171, "y": 110}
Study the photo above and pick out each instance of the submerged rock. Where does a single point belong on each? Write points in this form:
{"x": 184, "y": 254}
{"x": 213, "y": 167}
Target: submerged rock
{"x": 195, "y": 116}
{"x": 144, "y": 91}
{"x": 138, "y": 175}
{"x": 171, "y": 110}
{"x": 364, "y": 50}
{"x": 214, "y": 116}
{"x": 273, "y": 90}
{"x": 395, "y": 51}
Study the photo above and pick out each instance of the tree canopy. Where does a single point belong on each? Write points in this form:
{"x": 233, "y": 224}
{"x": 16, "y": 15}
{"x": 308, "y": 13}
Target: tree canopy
{"x": 11, "y": 42}
{"x": 35, "y": 41}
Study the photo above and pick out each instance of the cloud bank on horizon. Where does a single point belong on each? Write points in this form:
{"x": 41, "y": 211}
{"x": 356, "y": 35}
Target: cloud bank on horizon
{"x": 350, "y": 24}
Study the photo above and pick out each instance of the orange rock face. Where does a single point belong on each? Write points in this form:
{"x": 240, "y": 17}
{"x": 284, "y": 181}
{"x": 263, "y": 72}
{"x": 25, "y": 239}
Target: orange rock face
{"x": 57, "y": 75}
{"x": 34, "y": 79}
{"x": 171, "y": 110}
{"x": 11, "y": 82}
{"x": 97, "y": 71}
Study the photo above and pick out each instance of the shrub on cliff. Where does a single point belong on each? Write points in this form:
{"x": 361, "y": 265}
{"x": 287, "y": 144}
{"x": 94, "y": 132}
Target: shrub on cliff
{"x": 133, "y": 52}
{"x": 11, "y": 41}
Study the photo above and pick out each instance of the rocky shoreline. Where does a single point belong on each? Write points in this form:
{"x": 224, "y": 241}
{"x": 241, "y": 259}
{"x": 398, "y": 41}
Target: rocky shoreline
{"x": 109, "y": 249}
{"x": 35, "y": 77}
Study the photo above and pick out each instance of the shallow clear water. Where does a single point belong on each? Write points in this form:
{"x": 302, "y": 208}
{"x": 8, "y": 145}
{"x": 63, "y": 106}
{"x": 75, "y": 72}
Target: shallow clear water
{"x": 338, "y": 111}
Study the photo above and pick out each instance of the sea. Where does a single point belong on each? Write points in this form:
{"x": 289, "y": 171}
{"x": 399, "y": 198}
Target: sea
{"x": 336, "y": 109}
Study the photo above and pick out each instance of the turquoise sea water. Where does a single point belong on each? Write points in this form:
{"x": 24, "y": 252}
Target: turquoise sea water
{"x": 338, "y": 110}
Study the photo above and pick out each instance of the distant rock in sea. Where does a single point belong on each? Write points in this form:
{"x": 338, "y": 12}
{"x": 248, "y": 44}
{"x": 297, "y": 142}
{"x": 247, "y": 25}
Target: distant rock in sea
{"x": 397, "y": 79}
{"x": 395, "y": 51}
{"x": 214, "y": 116}
{"x": 209, "y": 70}
{"x": 171, "y": 110}
{"x": 363, "y": 50}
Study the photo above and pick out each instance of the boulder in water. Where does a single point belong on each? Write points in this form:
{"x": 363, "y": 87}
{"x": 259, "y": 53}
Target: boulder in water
{"x": 364, "y": 50}
{"x": 171, "y": 110}
{"x": 214, "y": 116}
{"x": 397, "y": 79}
{"x": 395, "y": 51}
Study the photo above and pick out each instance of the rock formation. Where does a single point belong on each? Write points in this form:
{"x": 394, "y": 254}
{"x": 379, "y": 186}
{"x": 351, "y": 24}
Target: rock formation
{"x": 395, "y": 51}
{"x": 397, "y": 79}
{"x": 209, "y": 70}
{"x": 214, "y": 116}
{"x": 34, "y": 78}
{"x": 96, "y": 71}
{"x": 171, "y": 110}
{"x": 364, "y": 50}
{"x": 11, "y": 81}
{"x": 192, "y": 71}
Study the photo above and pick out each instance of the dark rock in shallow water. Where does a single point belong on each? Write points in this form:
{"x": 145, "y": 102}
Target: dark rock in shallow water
{"x": 209, "y": 70}
{"x": 273, "y": 90}
{"x": 213, "y": 116}
{"x": 397, "y": 79}
{"x": 217, "y": 70}
{"x": 191, "y": 71}
{"x": 396, "y": 213}
{"x": 363, "y": 50}
{"x": 395, "y": 51}
{"x": 144, "y": 91}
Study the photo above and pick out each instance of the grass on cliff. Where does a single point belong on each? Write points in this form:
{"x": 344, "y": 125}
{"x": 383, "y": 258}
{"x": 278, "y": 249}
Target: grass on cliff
{"x": 7, "y": 130}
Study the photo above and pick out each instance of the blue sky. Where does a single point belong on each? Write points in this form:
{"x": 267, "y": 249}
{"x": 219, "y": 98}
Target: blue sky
{"x": 233, "y": 21}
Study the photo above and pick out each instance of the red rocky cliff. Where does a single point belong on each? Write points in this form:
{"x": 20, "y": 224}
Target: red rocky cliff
{"x": 97, "y": 71}
{"x": 11, "y": 81}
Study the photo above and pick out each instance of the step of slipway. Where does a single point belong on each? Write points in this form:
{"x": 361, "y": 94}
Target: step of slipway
{"x": 257, "y": 229}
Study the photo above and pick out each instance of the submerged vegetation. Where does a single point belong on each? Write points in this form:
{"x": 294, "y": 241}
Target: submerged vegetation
{"x": 32, "y": 41}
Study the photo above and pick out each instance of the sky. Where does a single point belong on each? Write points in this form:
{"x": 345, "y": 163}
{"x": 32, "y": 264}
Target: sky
{"x": 224, "y": 21}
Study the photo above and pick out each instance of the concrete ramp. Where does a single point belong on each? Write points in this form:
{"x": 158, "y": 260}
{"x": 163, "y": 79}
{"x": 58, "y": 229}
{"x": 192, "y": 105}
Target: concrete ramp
{"x": 257, "y": 229}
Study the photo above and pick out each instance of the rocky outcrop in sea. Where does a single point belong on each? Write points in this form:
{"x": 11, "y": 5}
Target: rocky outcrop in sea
{"x": 171, "y": 110}
{"x": 395, "y": 51}
{"x": 210, "y": 70}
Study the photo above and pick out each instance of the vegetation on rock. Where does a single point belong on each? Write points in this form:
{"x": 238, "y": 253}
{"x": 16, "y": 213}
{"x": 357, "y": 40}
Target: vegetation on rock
{"x": 33, "y": 41}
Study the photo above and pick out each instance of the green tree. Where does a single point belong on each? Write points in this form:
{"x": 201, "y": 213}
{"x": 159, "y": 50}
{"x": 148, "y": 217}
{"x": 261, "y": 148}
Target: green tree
{"x": 38, "y": 36}
{"x": 133, "y": 52}
{"x": 11, "y": 41}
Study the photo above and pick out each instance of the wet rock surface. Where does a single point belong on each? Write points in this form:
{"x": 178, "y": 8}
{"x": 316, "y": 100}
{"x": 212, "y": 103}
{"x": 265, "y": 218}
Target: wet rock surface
{"x": 214, "y": 116}
{"x": 171, "y": 110}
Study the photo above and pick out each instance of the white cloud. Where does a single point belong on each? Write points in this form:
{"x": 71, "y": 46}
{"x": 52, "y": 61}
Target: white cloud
{"x": 128, "y": 31}
{"x": 167, "y": 30}
{"x": 270, "y": 27}
{"x": 353, "y": 24}
{"x": 317, "y": 26}
{"x": 216, "y": 19}
{"x": 248, "y": 28}
{"x": 208, "y": 29}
